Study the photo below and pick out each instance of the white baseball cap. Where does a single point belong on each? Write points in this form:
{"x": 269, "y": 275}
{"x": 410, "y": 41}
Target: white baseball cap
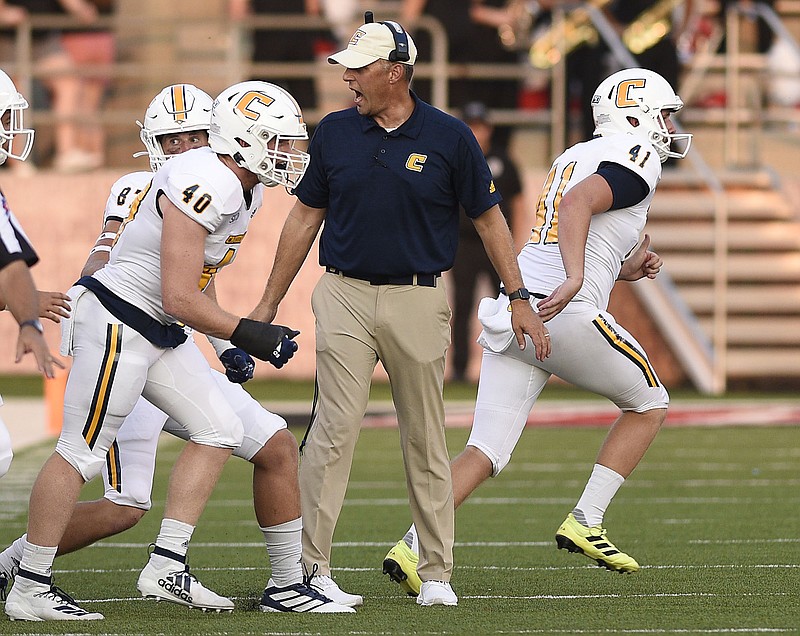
{"x": 373, "y": 41}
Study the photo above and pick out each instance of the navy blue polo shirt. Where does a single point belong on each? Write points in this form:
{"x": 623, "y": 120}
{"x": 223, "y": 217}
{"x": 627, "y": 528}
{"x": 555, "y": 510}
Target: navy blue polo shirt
{"x": 393, "y": 198}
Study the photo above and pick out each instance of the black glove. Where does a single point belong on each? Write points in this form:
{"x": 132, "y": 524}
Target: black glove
{"x": 239, "y": 366}
{"x": 261, "y": 339}
{"x": 284, "y": 351}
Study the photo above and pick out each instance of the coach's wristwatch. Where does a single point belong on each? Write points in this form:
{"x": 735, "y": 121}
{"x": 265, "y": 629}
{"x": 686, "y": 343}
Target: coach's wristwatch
{"x": 35, "y": 323}
{"x": 520, "y": 294}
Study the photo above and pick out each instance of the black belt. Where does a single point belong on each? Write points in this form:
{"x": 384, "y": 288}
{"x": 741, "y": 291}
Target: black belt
{"x": 535, "y": 295}
{"x": 422, "y": 280}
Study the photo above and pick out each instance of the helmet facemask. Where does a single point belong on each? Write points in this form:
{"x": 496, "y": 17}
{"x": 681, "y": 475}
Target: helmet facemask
{"x": 12, "y": 127}
{"x": 274, "y": 166}
{"x": 668, "y": 145}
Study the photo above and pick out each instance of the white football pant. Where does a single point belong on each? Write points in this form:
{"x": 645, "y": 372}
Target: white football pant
{"x": 113, "y": 366}
{"x": 589, "y": 350}
{"x": 128, "y": 471}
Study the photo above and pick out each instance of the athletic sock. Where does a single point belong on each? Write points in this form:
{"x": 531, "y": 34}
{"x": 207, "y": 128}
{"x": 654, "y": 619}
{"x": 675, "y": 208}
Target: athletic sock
{"x": 603, "y": 484}
{"x": 173, "y": 536}
{"x": 284, "y": 548}
{"x": 37, "y": 558}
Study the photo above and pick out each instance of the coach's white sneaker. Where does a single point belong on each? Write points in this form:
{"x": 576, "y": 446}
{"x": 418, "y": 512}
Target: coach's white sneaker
{"x": 34, "y": 600}
{"x": 299, "y": 597}
{"x": 173, "y": 582}
{"x": 327, "y": 586}
{"x": 436, "y": 593}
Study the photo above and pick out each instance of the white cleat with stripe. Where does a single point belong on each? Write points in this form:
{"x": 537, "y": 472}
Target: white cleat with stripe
{"x": 299, "y": 597}
{"x": 35, "y": 598}
{"x": 176, "y": 584}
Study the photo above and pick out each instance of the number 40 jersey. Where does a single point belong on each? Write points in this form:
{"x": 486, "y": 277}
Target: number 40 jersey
{"x": 205, "y": 190}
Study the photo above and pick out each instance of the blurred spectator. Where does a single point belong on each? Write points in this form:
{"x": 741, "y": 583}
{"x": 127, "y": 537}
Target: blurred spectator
{"x": 80, "y": 144}
{"x": 764, "y": 35}
{"x": 47, "y": 55}
{"x": 590, "y": 63}
{"x": 709, "y": 36}
{"x": 343, "y": 18}
{"x": 472, "y": 264}
{"x": 662, "y": 55}
{"x": 11, "y": 15}
{"x": 287, "y": 45}
{"x": 472, "y": 31}
{"x": 77, "y": 146}
{"x": 586, "y": 62}
{"x": 783, "y": 67}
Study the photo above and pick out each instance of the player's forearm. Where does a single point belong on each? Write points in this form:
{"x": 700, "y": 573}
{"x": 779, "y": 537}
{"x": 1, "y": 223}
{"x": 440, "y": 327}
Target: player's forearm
{"x": 591, "y": 196}
{"x": 298, "y": 234}
{"x": 573, "y": 230}
{"x": 19, "y": 291}
{"x": 95, "y": 261}
{"x": 101, "y": 251}
{"x": 200, "y": 312}
{"x": 496, "y": 237}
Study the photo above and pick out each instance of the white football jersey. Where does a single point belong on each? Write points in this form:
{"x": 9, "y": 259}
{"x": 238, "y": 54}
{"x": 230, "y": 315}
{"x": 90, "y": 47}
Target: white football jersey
{"x": 209, "y": 193}
{"x": 122, "y": 194}
{"x": 612, "y": 234}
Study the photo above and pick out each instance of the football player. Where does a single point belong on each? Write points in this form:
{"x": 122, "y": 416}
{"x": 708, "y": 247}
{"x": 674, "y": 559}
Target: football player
{"x": 156, "y": 257}
{"x": 591, "y": 213}
{"x": 16, "y": 254}
{"x": 175, "y": 121}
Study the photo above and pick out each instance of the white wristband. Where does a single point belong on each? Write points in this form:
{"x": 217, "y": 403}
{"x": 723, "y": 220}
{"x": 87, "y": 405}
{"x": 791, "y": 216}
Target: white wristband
{"x": 107, "y": 236}
{"x": 100, "y": 248}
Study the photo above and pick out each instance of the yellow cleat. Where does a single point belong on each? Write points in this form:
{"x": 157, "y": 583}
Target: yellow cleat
{"x": 593, "y": 543}
{"x": 401, "y": 566}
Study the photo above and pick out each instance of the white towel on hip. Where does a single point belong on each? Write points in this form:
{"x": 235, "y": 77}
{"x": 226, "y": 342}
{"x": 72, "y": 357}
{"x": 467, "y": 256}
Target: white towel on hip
{"x": 495, "y": 317}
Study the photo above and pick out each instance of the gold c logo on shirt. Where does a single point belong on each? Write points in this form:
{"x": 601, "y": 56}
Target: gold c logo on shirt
{"x": 415, "y": 161}
{"x": 492, "y": 188}
{"x": 248, "y": 99}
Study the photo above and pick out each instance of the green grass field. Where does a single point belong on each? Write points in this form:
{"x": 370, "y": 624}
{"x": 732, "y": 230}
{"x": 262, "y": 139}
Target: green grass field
{"x": 712, "y": 514}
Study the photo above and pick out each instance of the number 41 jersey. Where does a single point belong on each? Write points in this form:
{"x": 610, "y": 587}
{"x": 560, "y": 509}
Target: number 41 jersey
{"x": 612, "y": 234}
{"x": 205, "y": 190}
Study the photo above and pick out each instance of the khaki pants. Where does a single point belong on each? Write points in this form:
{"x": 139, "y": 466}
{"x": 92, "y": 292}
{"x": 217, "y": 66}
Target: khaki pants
{"x": 407, "y": 328}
